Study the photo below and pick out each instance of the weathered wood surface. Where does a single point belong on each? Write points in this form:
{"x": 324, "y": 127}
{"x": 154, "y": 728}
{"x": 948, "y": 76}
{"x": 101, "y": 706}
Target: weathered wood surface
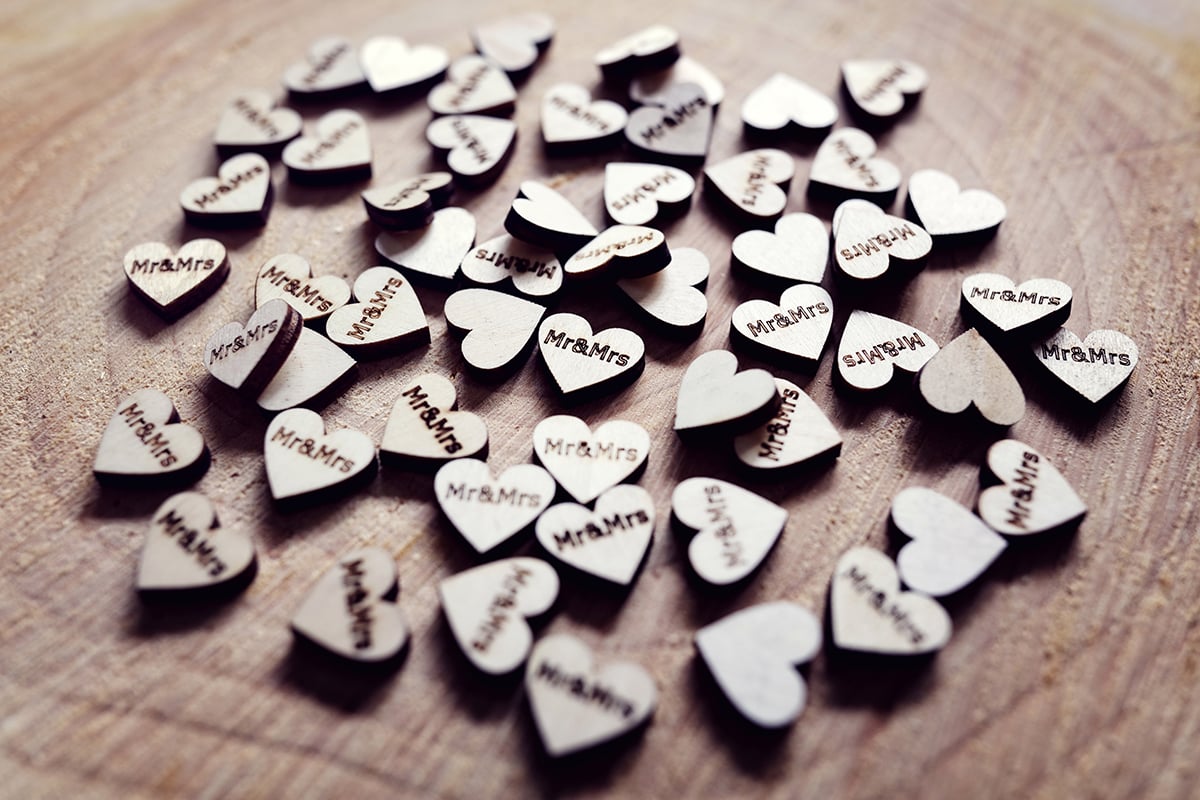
{"x": 1074, "y": 666}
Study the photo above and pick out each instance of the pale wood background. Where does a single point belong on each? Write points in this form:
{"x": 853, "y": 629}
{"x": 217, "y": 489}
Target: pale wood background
{"x": 1074, "y": 666}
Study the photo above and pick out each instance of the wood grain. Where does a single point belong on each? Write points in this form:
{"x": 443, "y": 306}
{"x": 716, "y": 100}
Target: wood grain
{"x": 1073, "y": 668}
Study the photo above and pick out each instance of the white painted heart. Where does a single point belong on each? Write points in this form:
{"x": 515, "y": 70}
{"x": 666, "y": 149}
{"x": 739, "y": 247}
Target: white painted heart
{"x": 144, "y": 441}
{"x": 175, "y": 281}
{"x": 434, "y": 251}
{"x": 289, "y": 277}
{"x": 713, "y": 394}
{"x": 314, "y": 366}
{"x": 498, "y": 326}
{"x": 874, "y": 346}
{"x": 735, "y": 528}
{"x": 580, "y": 360}
{"x": 797, "y": 251}
{"x": 799, "y": 432}
{"x": 424, "y": 426}
{"x": 302, "y": 459}
{"x": 387, "y": 315}
{"x": 489, "y": 511}
{"x": 186, "y": 547}
{"x": 950, "y": 546}
{"x": 869, "y": 613}
{"x": 586, "y": 462}
{"x": 1094, "y": 367}
{"x": 609, "y": 542}
{"x": 1033, "y": 496}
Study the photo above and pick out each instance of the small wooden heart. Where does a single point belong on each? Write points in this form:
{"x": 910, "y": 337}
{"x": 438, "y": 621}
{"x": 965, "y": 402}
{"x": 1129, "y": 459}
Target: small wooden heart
{"x": 330, "y": 68}
{"x": 627, "y": 251}
{"x": 572, "y": 122}
{"x": 490, "y": 511}
{"x": 473, "y": 85}
{"x": 950, "y": 546}
{"x": 1033, "y": 496}
{"x": 714, "y": 397}
{"x": 1093, "y": 368}
{"x": 583, "y": 363}
{"x": 735, "y": 529}
{"x": 240, "y": 195}
{"x": 1037, "y": 305}
{"x": 386, "y": 318}
{"x": 425, "y": 430}
{"x": 798, "y": 434}
{"x": 784, "y": 104}
{"x": 409, "y": 204}
{"x": 880, "y": 88}
{"x": 432, "y": 253}
{"x": 869, "y": 614}
{"x": 313, "y": 371}
{"x": 968, "y": 373}
{"x": 252, "y": 124}
{"x": 650, "y": 88}
{"x": 476, "y": 148}
{"x": 175, "y": 282}
{"x": 145, "y": 444}
{"x": 289, "y": 277}
{"x": 873, "y": 347}
{"x": 753, "y": 186}
{"x": 753, "y": 655}
{"x": 951, "y": 215}
{"x": 793, "y": 332}
{"x": 845, "y": 167}
{"x": 340, "y": 151}
{"x": 498, "y": 328}
{"x": 797, "y": 251}
{"x": 867, "y": 242}
{"x": 487, "y": 607}
{"x": 246, "y": 357}
{"x": 610, "y": 542}
{"x": 644, "y": 194}
{"x": 391, "y": 65}
{"x": 586, "y": 463}
{"x": 514, "y": 43}
{"x": 508, "y": 262}
{"x": 669, "y": 297}
{"x": 541, "y": 216}
{"x": 303, "y": 461}
{"x": 187, "y": 550}
{"x": 675, "y": 131}
{"x": 575, "y": 705}
{"x": 352, "y": 610}
{"x": 649, "y": 50}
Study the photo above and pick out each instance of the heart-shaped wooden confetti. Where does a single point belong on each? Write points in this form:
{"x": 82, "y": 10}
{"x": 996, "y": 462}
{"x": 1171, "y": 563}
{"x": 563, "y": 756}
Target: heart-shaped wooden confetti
{"x": 572, "y": 122}
{"x": 541, "y": 216}
{"x": 314, "y": 370}
{"x": 783, "y": 103}
{"x": 753, "y": 655}
{"x": 949, "y": 214}
{"x": 246, "y": 357}
{"x": 425, "y": 430}
{"x": 650, "y": 88}
{"x": 489, "y": 511}
{"x": 473, "y": 86}
{"x": 585, "y": 462}
{"x": 498, "y": 328}
{"x": 669, "y": 297}
{"x": 735, "y": 529}
{"x": 1037, "y": 305}
{"x": 252, "y": 124}
{"x": 649, "y": 50}
{"x": 677, "y": 130}
{"x": 714, "y": 397}
{"x": 881, "y": 88}
{"x": 969, "y": 373}
{"x": 1093, "y": 368}
{"x": 950, "y": 546}
{"x": 409, "y": 204}
{"x": 476, "y": 148}
{"x": 609, "y": 542}
{"x": 753, "y": 186}
{"x": 628, "y": 251}
{"x": 432, "y": 253}
{"x": 145, "y": 444}
{"x": 643, "y": 194}
{"x": 352, "y": 610}
{"x": 799, "y": 433}
{"x": 793, "y": 332}
{"x": 582, "y": 362}
{"x": 339, "y": 151}
{"x": 330, "y": 68}
{"x": 187, "y": 549}
{"x": 240, "y": 195}
{"x": 288, "y": 277}
{"x": 576, "y": 705}
{"x": 873, "y": 347}
{"x": 386, "y": 319}
{"x": 390, "y": 64}
{"x": 797, "y": 251}
{"x": 845, "y": 166}
{"x": 866, "y": 241}
{"x": 487, "y": 607}
{"x": 508, "y": 261}
{"x": 303, "y": 461}
{"x": 175, "y": 282}
{"x": 1033, "y": 496}
{"x": 514, "y": 43}
{"x": 869, "y": 613}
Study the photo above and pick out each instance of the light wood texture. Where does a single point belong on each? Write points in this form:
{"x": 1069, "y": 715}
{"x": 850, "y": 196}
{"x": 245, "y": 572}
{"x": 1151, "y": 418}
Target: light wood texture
{"x": 1073, "y": 668}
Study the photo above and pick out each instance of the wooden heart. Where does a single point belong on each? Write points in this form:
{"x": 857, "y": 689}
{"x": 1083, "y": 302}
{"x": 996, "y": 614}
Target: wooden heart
{"x": 288, "y": 277}
{"x": 239, "y": 195}
{"x": 882, "y": 88}
{"x": 869, "y": 613}
{"x": 1033, "y": 496}
{"x": 473, "y": 85}
{"x": 650, "y": 88}
{"x": 541, "y": 216}
{"x": 1037, "y": 305}
{"x": 968, "y": 372}
{"x": 783, "y": 104}
{"x": 572, "y": 122}
{"x": 434, "y": 252}
{"x": 476, "y": 148}
{"x": 873, "y": 347}
{"x": 187, "y": 549}
{"x": 845, "y": 167}
{"x": 314, "y": 369}
{"x": 340, "y": 150}
{"x": 936, "y": 202}
{"x": 330, "y": 68}
{"x": 246, "y": 357}
{"x": 391, "y": 65}
{"x": 677, "y": 131}
{"x": 643, "y": 194}
{"x": 575, "y": 705}
{"x": 794, "y": 331}
{"x": 585, "y": 462}
{"x": 753, "y": 655}
{"x": 514, "y": 43}
{"x": 527, "y": 268}
{"x": 387, "y": 318}
{"x": 950, "y": 546}
{"x": 486, "y": 608}
{"x": 797, "y": 251}
{"x": 425, "y": 430}
{"x": 753, "y": 185}
{"x": 498, "y": 328}
{"x": 174, "y": 282}
{"x": 252, "y": 124}
{"x": 735, "y": 529}
{"x": 144, "y": 443}
{"x": 628, "y": 251}
{"x": 609, "y": 542}
{"x": 582, "y": 362}
{"x": 649, "y": 50}
{"x": 1093, "y": 368}
{"x": 352, "y": 611}
{"x": 866, "y": 241}
{"x": 302, "y": 460}
{"x": 715, "y": 397}
{"x": 490, "y": 511}
{"x": 799, "y": 433}
{"x": 669, "y": 297}
{"x": 409, "y": 204}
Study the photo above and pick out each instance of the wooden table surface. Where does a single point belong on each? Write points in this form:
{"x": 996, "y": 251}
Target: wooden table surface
{"x": 1074, "y": 665}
